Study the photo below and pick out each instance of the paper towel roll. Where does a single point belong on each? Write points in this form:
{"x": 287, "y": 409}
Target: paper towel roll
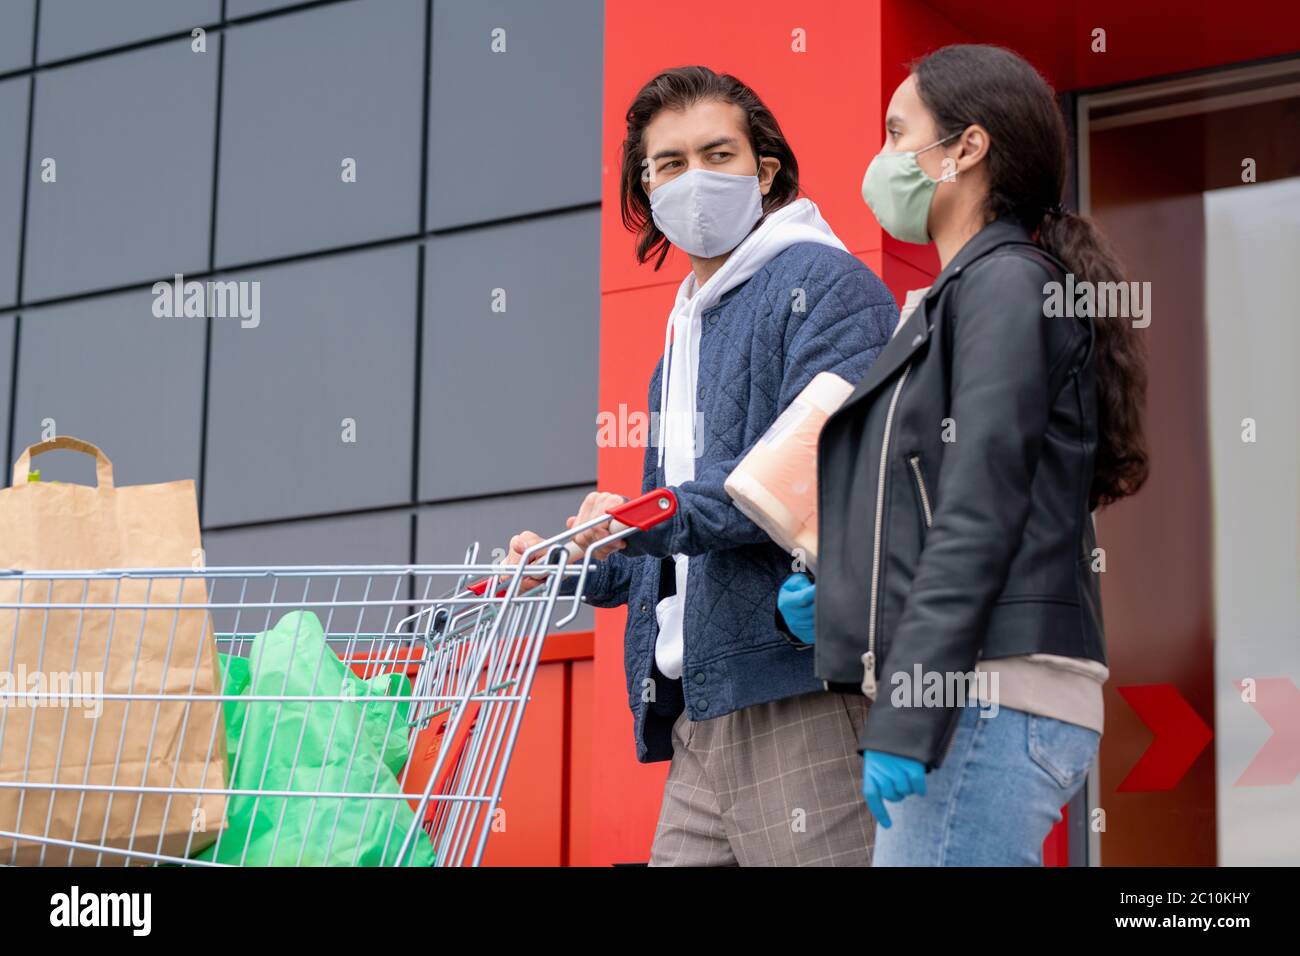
{"x": 775, "y": 484}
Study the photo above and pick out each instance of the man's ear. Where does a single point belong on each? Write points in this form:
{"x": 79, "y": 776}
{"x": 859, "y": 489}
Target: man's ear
{"x": 647, "y": 175}
{"x": 768, "y": 167}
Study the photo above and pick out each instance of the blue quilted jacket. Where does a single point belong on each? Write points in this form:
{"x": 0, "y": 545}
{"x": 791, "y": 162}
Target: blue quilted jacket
{"x": 756, "y": 354}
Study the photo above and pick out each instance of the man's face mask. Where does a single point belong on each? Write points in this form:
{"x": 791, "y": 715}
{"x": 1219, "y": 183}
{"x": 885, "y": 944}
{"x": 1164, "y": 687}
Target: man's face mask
{"x": 705, "y": 213}
{"x": 899, "y": 193}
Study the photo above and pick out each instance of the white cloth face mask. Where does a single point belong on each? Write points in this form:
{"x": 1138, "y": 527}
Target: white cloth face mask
{"x": 705, "y": 213}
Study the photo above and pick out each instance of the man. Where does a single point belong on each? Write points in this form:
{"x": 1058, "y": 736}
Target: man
{"x": 765, "y": 768}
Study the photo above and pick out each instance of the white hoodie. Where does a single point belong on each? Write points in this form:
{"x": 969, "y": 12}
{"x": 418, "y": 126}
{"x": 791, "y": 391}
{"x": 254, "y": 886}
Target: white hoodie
{"x": 800, "y": 221}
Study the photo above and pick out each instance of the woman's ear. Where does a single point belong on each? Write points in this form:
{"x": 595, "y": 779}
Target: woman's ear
{"x": 768, "y": 167}
{"x": 974, "y": 146}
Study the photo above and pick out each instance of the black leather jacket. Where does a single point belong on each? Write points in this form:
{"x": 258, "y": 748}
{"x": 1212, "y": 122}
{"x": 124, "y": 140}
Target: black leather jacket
{"x": 954, "y": 514}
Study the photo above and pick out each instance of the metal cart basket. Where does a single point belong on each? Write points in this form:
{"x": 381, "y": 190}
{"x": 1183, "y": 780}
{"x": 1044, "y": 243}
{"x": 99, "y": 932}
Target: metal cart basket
{"x": 429, "y": 669}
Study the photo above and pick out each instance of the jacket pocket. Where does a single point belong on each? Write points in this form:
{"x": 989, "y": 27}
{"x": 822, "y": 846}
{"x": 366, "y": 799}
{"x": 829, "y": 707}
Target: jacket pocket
{"x": 1065, "y": 752}
{"x": 855, "y": 711}
{"x": 922, "y": 492}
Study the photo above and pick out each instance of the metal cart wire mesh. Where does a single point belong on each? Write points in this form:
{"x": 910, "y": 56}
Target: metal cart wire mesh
{"x": 453, "y": 650}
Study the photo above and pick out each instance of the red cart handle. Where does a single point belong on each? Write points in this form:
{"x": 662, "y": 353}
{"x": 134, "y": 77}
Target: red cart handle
{"x": 652, "y": 508}
{"x": 643, "y": 513}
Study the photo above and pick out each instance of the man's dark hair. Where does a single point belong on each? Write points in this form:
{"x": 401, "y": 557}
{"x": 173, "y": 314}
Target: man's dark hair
{"x": 678, "y": 89}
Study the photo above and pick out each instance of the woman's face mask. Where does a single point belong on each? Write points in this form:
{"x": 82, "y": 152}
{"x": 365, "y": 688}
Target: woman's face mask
{"x": 705, "y": 213}
{"x": 899, "y": 193}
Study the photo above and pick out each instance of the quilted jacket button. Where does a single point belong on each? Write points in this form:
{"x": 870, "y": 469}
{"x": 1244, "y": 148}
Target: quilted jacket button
{"x": 701, "y": 391}
{"x": 701, "y": 706}
{"x": 644, "y": 607}
{"x": 699, "y": 677}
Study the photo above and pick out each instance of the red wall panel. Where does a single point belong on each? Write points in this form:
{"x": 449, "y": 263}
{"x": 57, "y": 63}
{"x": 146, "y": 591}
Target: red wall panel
{"x": 532, "y": 802}
{"x": 830, "y": 101}
{"x": 1143, "y": 39}
{"x": 820, "y": 97}
{"x": 581, "y": 675}
{"x": 827, "y": 101}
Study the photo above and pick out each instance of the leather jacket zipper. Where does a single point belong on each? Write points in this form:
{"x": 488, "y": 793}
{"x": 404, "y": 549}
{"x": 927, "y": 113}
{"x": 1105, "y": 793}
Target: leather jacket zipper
{"x": 915, "y": 462}
{"x": 869, "y": 658}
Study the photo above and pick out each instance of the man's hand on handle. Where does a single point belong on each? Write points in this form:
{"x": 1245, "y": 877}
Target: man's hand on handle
{"x": 518, "y": 545}
{"x": 595, "y": 504}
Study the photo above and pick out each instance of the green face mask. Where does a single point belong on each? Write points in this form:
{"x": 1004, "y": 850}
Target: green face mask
{"x": 899, "y": 193}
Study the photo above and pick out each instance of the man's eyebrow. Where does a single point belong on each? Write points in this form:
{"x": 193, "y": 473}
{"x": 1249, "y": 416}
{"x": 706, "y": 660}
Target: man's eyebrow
{"x": 711, "y": 144}
{"x": 666, "y": 153}
{"x": 715, "y": 143}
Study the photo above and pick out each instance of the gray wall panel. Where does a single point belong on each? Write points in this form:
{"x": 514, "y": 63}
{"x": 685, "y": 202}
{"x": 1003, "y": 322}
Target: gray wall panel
{"x": 352, "y": 539}
{"x": 132, "y": 133}
{"x": 243, "y": 8}
{"x": 336, "y": 340}
{"x": 13, "y": 151}
{"x": 16, "y": 37}
{"x": 517, "y": 131}
{"x": 509, "y": 399}
{"x": 7, "y": 324}
{"x": 108, "y": 371}
{"x": 383, "y": 538}
{"x": 303, "y": 92}
{"x": 132, "y": 138}
{"x": 72, "y": 27}
{"x": 444, "y": 532}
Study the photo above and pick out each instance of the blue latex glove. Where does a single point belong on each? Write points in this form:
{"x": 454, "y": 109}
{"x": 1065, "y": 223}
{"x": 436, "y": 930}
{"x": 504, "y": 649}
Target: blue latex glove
{"x": 889, "y": 777}
{"x": 795, "y": 602}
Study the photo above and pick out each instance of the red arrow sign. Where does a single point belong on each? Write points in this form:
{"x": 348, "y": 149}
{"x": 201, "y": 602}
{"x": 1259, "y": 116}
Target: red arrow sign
{"x": 1180, "y": 736}
{"x": 1278, "y": 762}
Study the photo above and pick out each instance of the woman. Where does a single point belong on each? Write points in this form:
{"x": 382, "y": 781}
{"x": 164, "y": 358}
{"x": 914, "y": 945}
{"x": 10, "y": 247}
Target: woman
{"x": 956, "y": 568}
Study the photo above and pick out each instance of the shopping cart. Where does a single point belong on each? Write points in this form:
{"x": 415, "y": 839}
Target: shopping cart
{"x": 413, "y": 735}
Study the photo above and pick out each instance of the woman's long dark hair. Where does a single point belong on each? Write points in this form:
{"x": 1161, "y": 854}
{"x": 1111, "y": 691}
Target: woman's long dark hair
{"x": 677, "y": 89}
{"x": 1027, "y": 159}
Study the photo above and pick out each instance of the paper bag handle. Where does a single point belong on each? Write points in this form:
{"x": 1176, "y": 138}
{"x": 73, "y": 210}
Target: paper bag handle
{"x": 103, "y": 467}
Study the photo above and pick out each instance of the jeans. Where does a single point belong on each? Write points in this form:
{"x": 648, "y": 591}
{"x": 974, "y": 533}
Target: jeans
{"x": 999, "y": 791}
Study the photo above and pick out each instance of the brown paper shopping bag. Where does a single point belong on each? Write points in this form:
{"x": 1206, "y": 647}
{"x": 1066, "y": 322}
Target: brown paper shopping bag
{"x": 66, "y": 640}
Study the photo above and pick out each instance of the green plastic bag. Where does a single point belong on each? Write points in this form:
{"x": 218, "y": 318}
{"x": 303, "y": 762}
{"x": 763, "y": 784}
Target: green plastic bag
{"x": 340, "y": 746}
